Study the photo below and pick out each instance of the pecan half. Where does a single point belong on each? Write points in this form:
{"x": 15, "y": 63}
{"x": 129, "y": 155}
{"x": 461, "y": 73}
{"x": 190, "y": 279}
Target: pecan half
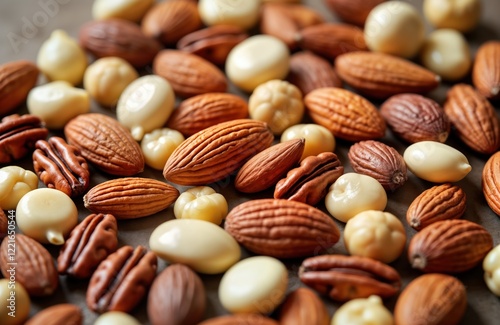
{"x": 88, "y": 245}
{"x": 18, "y": 135}
{"x": 349, "y": 277}
{"x": 309, "y": 183}
{"x": 61, "y": 166}
{"x": 121, "y": 280}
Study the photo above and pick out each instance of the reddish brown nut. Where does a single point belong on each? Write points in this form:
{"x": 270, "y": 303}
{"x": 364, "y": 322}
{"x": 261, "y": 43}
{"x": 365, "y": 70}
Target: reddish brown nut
{"x": 486, "y": 70}
{"x": 490, "y": 181}
{"x": 4, "y": 225}
{"x": 241, "y": 319}
{"x": 353, "y": 11}
{"x": 62, "y": 314}
{"x": 17, "y": 78}
{"x": 303, "y": 307}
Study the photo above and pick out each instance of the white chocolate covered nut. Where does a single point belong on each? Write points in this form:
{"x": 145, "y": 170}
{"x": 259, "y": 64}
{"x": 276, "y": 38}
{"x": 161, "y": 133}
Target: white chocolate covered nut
{"x": 201, "y": 245}
{"x": 249, "y": 65}
{"x": 447, "y": 53}
{"x": 57, "y": 102}
{"x": 278, "y": 103}
{"x": 436, "y": 162}
{"x": 395, "y": 27}
{"x": 462, "y": 15}
{"x": 14, "y": 302}
{"x": 107, "y": 78}
{"x": 241, "y": 13}
{"x": 132, "y": 10}
{"x": 353, "y": 193}
{"x": 158, "y": 145}
{"x": 363, "y": 311}
{"x": 46, "y": 215}
{"x": 15, "y": 182}
{"x": 116, "y": 317}
{"x": 61, "y": 58}
{"x": 254, "y": 285}
{"x": 317, "y": 138}
{"x": 376, "y": 234}
{"x": 145, "y": 105}
{"x": 491, "y": 267}
{"x": 203, "y": 203}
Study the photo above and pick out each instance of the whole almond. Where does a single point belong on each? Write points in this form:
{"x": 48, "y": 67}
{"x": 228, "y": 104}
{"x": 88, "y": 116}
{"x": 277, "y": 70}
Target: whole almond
{"x": 381, "y": 75}
{"x": 347, "y": 115}
{"x": 303, "y": 307}
{"x": 17, "y": 78}
{"x": 486, "y": 70}
{"x": 61, "y": 314}
{"x": 240, "y": 319}
{"x": 353, "y": 11}
{"x": 490, "y": 181}
{"x": 474, "y": 118}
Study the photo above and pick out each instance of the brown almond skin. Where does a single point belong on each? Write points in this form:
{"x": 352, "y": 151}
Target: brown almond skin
{"x": 486, "y": 70}
{"x": 352, "y": 11}
{"x": 4, "y": 224}
{"x": 17, "y": 78}
{"x": 62, "y": 314}
{"x": 241, "y": 319}
{"x": 303, "y": 307}
{"x": 431, "y": 299}
{"x": 490, "y": 181}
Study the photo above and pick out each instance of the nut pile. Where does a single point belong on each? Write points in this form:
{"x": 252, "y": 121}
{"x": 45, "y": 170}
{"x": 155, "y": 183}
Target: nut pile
{"x": 281, "y": 167}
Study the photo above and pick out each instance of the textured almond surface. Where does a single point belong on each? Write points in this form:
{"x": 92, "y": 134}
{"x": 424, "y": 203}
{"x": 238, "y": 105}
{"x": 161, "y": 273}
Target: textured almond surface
{"x": 491, "y": 182}
{"x": 486, "y": 70}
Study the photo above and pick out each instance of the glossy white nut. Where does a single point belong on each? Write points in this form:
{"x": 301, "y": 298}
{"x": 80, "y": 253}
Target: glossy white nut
{"x": 158, "y": 145}
{"x": 353, "y": 193}
{"x": 203, "y": 203}
{"x": 201, "y": 245}
{"x": 107, "y": 78}
{"x": 447, "y": 53}
{"x": 61, "y": 58}
{"x": 376, "y": 234}
{"x": 436, "y": 162}
{"x": 14, "y": 302}
{"x": 491, "y": 267}
{"x": 132, "y": 10}
{"x": 278, "y": 103}
{"x": 145, "y": 105}
{"x": 15, "y": 182}
{"x": 57, "y": 102}
{"x": 317, "y": 138}
{"x": 363, "y": 311}
{"x": 248, "y": 65}
{"x": 116, "y": 317}
{"x": 254, "y": 285}
{"x": 461, "y": 15}
{"x": 241, "y": 13}
{"x": 46, "y": 215}
{"x": 395, "y": 27}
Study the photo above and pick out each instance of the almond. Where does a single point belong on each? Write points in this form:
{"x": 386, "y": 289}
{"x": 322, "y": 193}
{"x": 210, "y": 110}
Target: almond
{"x": 486, "y": 70}
{"x": 303, "y": 307}
{"x": 353, "y": 11}
{"x": 17, "y": 78}
{"x": 347, "y": 115}
{"x": 240, "y": 319}
{"x": 381, "y": 75}
{"x": 61, "y": 314}
{"x": 490, "y": 181}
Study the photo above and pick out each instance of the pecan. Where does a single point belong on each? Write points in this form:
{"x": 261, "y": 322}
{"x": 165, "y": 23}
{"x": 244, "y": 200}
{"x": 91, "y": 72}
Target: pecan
{"x": 121, "y": 280}
{"x": 349, "y": 277}
{"x": 61, "y": 166}
{"x": 88, "y": 245}
{"x": 310, "y": 181}
{"x": 18, "y": 135}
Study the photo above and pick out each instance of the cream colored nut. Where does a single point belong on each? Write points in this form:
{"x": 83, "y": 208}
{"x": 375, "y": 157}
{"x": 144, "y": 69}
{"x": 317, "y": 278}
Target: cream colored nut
{"x": 116, "y": 317}
{"x": 241, "y": 13}
{"x": 201, "y": 245}
{"x": 57, "y": 102}
{"x": 353, "y": 193}
{"x": 462, "y": 15}
{"x": 491, "y": 267}
{"x": 447, "y": 53}
{"x": 132, "y": 10}
{"x": 363, "y": 311}
{"x": 278, "y": 103}
{"x": 317, "y": 138}
{"x": 14, "y": 302}
{"x": 254, "y": 285}
{"x": 203, "y": 203}
{"x": 395, "y": 27}
{"x": 376, "y": 234}
{"x": 61, "y": 58}
{"x": 46, "y": 215}
{"x": 436, "y": 162}
{"x": 249, "y": 65}
{"x": 107, "y": 78}
{"x": 158, "y": 145}
{"x": 145, "y": 105}
{"x": 15, "y": 182}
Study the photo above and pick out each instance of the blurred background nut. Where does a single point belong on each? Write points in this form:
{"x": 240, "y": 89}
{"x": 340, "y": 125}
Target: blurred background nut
{"x": 491, "y": 267}
{"x": 317, "y": 138}
{"x": 460, "y": 15}
{"x": 68, "y": 314}
{"x": 486, "y": 70}
{"x": 303, "y": 307}
{"x": 16, "y": 80}
{"x": 241, "y": 13}
{"x": 116, "y": 317}
{"x": 363, "y": 311}
{"x": 352, "y": 11}
{"x": 132, "y": 10}
{"x": 21, "y": 306}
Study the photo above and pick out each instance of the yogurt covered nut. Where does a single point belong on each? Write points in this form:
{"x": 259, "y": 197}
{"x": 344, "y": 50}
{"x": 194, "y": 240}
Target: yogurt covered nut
{"x": 436, "y": 162}
{"x": 15, "y": 182}
{"x": 461, "y": 15}
{"x": 203, "y": 203}
{"x": 363, "y": 311}
{"x": 46, "y": 215}
{"x": 107, "y": 78}
{"x": 447, "y": 53}
{"x": 57, "y": 102}
{"x": 376, "y": 234}
{"x": 241, "y": 13}
{"x": 61, "y": 58}
{"x": 158, "y": 145}
{"x": 15, "y": 300}
{"x": 132, "y": 10}
{"x": 116, "y": 317}
{"x": 278, "y": 103}
{"x": 318, "y": 139}
{"x": 249, "y": 65}
{"x": 254, "y": 285}
{"x": 353, "y": 193}
{"x": 491, "y": 267}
